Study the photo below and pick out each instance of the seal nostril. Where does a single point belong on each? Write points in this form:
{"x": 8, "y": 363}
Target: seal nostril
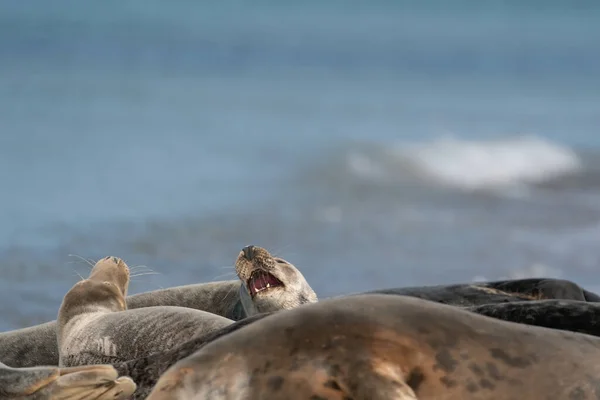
{"x": 248, "y": 252}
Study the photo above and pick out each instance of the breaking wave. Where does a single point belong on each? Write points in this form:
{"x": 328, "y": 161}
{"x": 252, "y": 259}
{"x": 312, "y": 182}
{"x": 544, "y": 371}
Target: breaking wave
{"x": 468, "y": 164}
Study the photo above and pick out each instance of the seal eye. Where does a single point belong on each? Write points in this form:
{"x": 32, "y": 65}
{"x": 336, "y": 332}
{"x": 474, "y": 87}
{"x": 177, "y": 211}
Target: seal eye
{"x": 262, "y": 280}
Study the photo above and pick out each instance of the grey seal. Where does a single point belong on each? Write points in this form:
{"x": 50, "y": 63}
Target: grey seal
{"x": 493, "y": 292}
{"x": 382, "y": 347}
{"x": 95, "y": 327}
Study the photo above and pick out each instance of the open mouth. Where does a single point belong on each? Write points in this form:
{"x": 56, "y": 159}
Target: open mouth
{"x": 260, "y": 281}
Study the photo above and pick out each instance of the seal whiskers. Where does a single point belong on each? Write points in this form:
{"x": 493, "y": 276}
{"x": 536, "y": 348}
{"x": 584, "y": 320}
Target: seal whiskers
{"x": 272, "y": 283}
{"x": 96, "y": 327}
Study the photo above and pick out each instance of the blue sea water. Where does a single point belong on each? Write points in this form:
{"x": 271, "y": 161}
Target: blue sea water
{"x": 371, "y": 143}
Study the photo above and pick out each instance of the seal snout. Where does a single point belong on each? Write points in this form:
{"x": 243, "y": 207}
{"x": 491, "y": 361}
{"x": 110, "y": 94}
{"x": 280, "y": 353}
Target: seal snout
{"x": 249, "y": 252}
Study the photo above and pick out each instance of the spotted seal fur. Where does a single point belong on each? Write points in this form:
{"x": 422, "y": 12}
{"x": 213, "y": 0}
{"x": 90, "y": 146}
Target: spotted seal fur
{"x": 387, "y": 347}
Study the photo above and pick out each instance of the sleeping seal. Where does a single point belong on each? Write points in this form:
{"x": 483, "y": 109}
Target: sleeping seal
{"x": 517, "y": 290}
{"x": 566, "y": 315}
{"x": 382, "y": 347}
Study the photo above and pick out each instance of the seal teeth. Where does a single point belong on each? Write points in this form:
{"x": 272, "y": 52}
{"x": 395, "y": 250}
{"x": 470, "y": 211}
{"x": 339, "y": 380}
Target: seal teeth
{"x": 261, "y": 280}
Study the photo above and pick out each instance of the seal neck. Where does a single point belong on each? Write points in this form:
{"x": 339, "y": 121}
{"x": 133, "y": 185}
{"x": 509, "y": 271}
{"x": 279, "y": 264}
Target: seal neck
{"x": 246, "y": 303}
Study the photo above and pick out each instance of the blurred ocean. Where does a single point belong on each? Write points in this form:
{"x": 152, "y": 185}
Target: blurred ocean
{"x": 371, "y": 143}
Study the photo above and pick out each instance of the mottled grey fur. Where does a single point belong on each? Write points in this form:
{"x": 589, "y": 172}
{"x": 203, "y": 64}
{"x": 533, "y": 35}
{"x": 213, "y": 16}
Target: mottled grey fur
{"x": 36, "y": 345}
{"x": 29, "y": 347}
{"x": 110, "y": 337}
{"x": 381, "y": 347}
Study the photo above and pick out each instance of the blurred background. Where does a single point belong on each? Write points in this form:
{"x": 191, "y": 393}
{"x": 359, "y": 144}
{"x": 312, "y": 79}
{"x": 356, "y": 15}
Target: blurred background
{"x": 373, "y": 144}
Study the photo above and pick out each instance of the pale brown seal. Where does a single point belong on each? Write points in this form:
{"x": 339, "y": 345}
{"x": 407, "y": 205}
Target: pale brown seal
{"x": 37, "y": 345}
{"x": 95, "y": 327}
{"x": 93, "y": 382}
{"x": 382, "y": 347}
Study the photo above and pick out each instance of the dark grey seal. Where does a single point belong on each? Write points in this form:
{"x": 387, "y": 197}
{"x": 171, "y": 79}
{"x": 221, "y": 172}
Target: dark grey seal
{"x": 517, "y": 290}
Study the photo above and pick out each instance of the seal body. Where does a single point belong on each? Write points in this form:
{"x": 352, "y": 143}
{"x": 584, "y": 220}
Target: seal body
{"x": 36, "y": 345}
{"x": 220, "y": 298}
{"x": 493, "y": 292}
{"x": 387, "y": 347}
{"x": 29, "y": 347}
{"x": 567, "y": 315}
{"x": 95, "y": 327}
{"x": 109, "y": 337}
{"x": 95, "y": 382}
{"x": 146, "y": 371}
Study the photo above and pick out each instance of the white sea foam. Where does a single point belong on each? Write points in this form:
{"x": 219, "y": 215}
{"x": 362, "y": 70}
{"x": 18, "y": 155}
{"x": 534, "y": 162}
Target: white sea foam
{"x": 470, "y": 164}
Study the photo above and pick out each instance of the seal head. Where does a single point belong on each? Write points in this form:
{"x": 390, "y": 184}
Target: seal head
{"x": 272, "y": 283}
{"x": 104, "y": 290}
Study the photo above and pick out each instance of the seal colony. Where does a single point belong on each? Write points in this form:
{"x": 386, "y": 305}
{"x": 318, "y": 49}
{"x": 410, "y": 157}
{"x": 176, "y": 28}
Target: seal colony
{"x": 163, "y": 336}
{"x": 36, "y": 345}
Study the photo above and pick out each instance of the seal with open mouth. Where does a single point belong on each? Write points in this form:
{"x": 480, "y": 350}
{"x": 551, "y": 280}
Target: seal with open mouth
{"x": 272, "y": 282}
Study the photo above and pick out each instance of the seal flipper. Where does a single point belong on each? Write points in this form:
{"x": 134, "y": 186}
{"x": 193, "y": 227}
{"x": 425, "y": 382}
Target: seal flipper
{"x": 21, "y": 382}
{"x": 97, "y": 382}
{"x": 380, "y": 380}
{"x": 364, "y": 380}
